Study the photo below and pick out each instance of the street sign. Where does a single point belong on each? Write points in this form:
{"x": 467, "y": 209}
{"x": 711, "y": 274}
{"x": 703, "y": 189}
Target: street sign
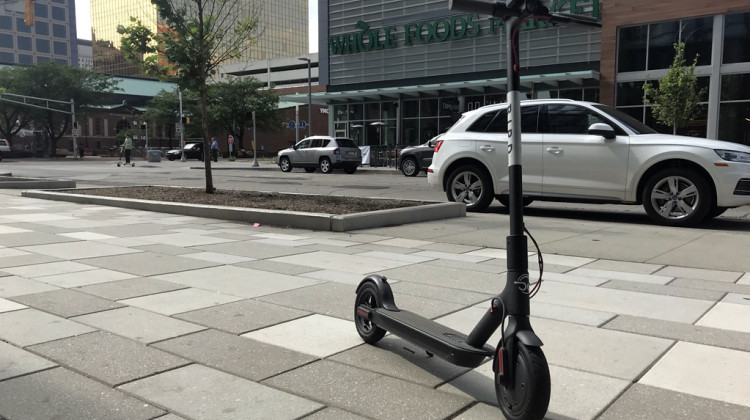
{"x": 302, "y": 125}
{"x": 230, "y": 139}
{"x": 291, "y": 125}
{"x": 75, "y": 132}
{"x": 178, "y": 127}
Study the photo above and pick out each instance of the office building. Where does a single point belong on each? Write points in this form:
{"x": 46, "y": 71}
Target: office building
{"x": 399, "y": 72}
{"x": 46, "y": 33}
{"x": 282, "y": 30}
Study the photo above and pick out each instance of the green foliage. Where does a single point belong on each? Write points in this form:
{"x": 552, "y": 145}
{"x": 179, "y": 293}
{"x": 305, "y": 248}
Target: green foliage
{"x": 232, "y": 102}
{"x": 675, "y": 101}
{"x": 164, "y": 109}
{"x": 52, "y": 81}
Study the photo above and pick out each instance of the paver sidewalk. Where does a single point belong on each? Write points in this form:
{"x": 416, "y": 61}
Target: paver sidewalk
{"x": 122, "y": 314}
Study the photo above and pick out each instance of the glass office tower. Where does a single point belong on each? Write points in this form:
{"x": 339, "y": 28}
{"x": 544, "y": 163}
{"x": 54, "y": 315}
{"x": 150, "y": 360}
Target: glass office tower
{"x": 282, "y": 30}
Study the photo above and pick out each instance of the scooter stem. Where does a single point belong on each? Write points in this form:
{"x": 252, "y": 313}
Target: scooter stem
{"x": 515, "y": 295}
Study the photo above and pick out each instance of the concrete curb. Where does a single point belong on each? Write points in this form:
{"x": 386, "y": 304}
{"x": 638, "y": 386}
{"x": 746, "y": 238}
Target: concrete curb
{"x": 9, "y": 182}
{"x": 312, "y": 221}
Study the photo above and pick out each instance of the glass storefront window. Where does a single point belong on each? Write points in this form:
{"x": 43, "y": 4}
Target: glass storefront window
{"x": 373, "y": 111}
{"x": 388, "y": 110}
{"x": 428, "y": 128}
{"x": 733, "y": 122}
{"x": 6, "y": 22}
{"x": 735, "y": 87}
{"x": 697, "y": 34}
{"x": 661, "y": 39}
{"x": 736, "y": 33}
{"x": 494, "y": 99}
{"x": 591, "y": 95}
{"x": 411, "y": 132}
{"x": 428, "y": 108}
{"x": 448, "y": 107}
{"x": 474, "y": 102}
{"x": 340, "y": 113}
{"x": 631, "y": 93}
{"x": 632, "y": 48}
{"x": 411, "y": 108}
{"x": 356, "y": 112}
{"x": 574, "y": 94}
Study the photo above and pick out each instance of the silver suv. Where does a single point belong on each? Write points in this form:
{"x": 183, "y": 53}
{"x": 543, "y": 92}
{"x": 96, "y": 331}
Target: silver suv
{"x": 326, "y": 153}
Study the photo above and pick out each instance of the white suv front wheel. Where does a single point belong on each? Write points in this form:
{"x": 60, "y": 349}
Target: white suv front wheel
{"x": 677, "y": 197}
{"x": 472, "y": 186}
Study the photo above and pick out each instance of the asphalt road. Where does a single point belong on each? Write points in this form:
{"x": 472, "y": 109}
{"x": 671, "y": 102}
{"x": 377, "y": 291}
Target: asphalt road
{"x": 366, "y": 182}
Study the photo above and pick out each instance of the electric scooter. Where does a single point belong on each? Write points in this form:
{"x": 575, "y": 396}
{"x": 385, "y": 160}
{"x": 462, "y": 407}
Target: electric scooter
{"x": 119, "y": 160}
{"x": 522, "y": 380}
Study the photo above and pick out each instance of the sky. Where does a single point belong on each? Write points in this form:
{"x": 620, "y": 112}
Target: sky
{"x": 83, "y": 22}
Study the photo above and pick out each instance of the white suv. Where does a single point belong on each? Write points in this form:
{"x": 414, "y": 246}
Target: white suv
{"x": 588, "y": 152}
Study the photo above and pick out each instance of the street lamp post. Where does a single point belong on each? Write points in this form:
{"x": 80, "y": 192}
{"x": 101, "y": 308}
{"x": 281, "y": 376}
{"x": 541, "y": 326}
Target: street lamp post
{"x": 183, "y": 158}
{"x": 309, "y": 95}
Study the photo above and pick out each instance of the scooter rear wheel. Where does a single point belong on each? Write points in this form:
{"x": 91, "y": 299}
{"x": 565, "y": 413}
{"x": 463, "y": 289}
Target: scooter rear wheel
{"x": 527, "y": 398}
{"x": 368, "y": 296}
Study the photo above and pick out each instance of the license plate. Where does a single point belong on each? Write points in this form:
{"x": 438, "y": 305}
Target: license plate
{"x": 351, "y": 154}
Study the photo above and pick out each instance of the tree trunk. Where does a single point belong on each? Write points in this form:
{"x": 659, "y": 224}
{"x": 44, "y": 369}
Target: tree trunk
{"x": 206, "y": 144}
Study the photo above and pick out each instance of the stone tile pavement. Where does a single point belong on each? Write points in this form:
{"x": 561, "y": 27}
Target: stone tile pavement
{"x": 121, "y": 314}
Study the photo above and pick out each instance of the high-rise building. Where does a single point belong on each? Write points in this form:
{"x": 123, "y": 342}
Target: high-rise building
{"x": 106, "y": 15}
{"x": 39, "y": 31}
{"x": 282, "y": 30}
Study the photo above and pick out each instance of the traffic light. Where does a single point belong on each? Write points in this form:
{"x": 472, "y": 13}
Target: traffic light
{"x": 75, "y": 125}
{"x": 186, "y": 120}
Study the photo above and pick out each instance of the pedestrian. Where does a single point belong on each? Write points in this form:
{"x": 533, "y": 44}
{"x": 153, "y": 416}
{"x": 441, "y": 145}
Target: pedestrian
{"x": 214, "y": 149}
{"x": 127, "y": 147}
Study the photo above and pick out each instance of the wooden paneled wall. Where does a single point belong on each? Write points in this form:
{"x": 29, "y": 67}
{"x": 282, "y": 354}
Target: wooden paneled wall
{"x": 616, "y": 13}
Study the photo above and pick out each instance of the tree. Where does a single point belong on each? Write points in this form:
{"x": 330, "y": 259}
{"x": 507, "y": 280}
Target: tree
{"x": 164, "y": 109}
{"x": 62, "y": 83}
{"x": 13, "y": 118}
{"x": 233, "y": 102}
{"x": 675, "y": 101}
{"x": 198, "y": 37}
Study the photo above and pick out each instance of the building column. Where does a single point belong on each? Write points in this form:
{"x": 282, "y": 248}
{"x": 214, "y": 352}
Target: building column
{"x": 714, "y": 84}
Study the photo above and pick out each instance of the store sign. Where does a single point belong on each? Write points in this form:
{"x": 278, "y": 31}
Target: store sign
{"x": 442, "y": 30}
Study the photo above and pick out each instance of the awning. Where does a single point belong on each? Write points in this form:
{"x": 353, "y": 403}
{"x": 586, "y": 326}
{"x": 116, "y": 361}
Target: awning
{"x": 477, "y": 87}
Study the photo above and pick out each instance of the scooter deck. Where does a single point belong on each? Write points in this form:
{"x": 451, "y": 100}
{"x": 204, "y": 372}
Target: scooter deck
{"x": 435, "y": 338}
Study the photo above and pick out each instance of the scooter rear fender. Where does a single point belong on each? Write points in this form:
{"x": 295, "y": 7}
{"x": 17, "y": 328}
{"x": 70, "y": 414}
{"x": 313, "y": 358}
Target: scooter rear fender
{"x": 384, "y": 290}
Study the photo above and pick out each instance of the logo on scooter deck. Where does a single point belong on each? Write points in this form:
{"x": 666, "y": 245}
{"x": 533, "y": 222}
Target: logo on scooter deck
{"x": 523, "y": 284}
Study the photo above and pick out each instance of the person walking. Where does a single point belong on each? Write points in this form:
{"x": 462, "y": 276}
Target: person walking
{"x": 127, "y": 146}
{"x": 214, "y": 149}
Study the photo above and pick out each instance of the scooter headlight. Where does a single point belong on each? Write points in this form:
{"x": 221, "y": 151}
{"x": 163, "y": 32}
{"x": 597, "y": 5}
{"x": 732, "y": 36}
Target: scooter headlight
{"x": 733, "y": 156}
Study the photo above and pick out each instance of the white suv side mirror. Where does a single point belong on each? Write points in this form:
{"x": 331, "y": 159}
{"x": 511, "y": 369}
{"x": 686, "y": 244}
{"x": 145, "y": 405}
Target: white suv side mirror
{"x": 601, "y": 129}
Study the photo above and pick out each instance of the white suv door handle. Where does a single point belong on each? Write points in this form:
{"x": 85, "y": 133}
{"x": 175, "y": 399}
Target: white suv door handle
{"x": 554, "y": 150}
{"x": 487, "y": 148}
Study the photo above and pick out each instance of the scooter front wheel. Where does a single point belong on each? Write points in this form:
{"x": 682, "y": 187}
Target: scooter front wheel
{"x": 368, "y": 296}
{"x": 527, "y": 397}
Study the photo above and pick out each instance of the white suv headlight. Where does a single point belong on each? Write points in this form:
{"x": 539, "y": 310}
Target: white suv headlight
{"x": 733, "y": 156}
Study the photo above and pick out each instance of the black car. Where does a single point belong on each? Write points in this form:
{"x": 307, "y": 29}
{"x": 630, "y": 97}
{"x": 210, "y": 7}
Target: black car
{"x": 192, "y": 151}
{"x": 413, "y": 159}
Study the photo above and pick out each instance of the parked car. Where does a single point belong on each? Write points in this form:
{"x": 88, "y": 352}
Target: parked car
{"x": 192, "y": 151}
{"x": 4, "y": 147}
{"x": 412, "y": 160}
{"x": 588, "y": 152}
{"x": 326, "y": 153}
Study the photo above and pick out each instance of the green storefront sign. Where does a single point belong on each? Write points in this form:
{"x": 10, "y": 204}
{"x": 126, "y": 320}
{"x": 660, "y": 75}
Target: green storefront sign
{"x": 441, "y": 30}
